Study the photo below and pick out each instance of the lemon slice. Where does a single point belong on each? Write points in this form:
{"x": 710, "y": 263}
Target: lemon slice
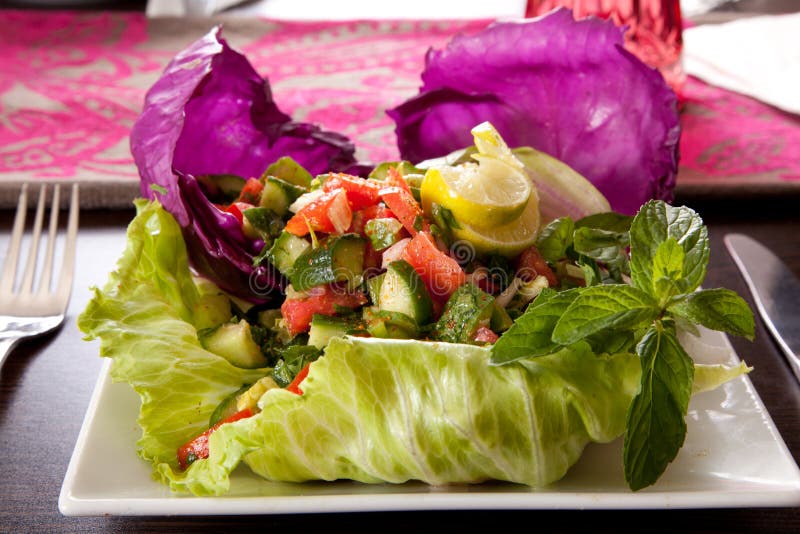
{"x": 507, "y": 240}
{"x": 494, "y": 190}
{"x": 489, "y": 143}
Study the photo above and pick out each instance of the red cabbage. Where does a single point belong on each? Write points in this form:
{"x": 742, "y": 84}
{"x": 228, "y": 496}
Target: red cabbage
{"x": 565, "y": 87}
{"x": 211, "y": 113}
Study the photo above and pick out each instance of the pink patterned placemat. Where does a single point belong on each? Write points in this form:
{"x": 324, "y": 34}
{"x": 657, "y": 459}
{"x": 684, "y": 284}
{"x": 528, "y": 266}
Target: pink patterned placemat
{"x": 731, "y": 143}
{"x": 72, "y": 84}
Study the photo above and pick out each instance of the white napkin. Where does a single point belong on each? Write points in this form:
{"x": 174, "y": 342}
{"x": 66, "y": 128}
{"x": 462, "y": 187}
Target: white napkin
{"x": 757, "y": 56}
{"x": 340, "y": 9}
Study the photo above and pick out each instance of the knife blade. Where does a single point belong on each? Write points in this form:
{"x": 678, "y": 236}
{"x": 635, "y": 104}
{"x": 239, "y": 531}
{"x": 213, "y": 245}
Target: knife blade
{"x": 775, "y": 290}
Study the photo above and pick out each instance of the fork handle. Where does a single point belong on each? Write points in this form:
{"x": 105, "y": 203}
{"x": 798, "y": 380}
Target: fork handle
{"x": 6, "y": 346}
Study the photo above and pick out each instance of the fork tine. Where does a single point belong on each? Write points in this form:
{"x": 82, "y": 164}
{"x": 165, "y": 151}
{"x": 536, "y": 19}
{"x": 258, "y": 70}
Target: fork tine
{"x": 33, "y": 253}
{"x": 68, "y": 268}
{"x": 47, "y": 272}
{"x": 10, "y": 265}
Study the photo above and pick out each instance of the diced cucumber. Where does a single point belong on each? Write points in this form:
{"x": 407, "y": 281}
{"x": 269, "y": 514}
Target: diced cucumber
{"x": 467, "y": 309}
{"x": 234, "y": 342}
{"x": 389, "y": 324}
{"x": 290, "y": 171}
{"x": 374, "y": 288}
{"x": 285, "y": 251}
{"x": 325, "y": 327}
{"x": 269, "y": 318}
{"x": 278, "y": 195}
{"x": 262, "y": 223}
{"x": 212, "y": 310}
{"x": 414, "y": 181}
{"x": 319, "y": 180}
{"x": 222, "y": 188}
{"x": 403, "y": 291}
{"x": 405, "y": 167}
{"x": 383, "y": 232}
{"x": 240, "y": 306}
{"x": 411, "y": 174}
{"x": 339, "y": 259}
{"x": 213, "y": 307}
{"x": 227, "y": 407}
{"x": 500, "y": 320}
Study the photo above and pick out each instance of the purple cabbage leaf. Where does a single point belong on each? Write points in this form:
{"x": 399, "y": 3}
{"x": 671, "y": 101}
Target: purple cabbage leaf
{"x": 567, "y": 88}
{"x": 211, "y": 113}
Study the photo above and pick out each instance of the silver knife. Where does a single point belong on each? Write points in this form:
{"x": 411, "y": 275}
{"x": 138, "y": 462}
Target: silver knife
{"x": 775, "y": 289}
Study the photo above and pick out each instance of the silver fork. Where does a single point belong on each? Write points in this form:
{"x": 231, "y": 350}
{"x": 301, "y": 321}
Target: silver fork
{"x": 28, "y": 310}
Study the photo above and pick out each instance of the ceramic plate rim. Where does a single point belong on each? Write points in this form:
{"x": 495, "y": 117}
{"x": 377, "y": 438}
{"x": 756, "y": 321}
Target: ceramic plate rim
{"x": 418, "y": 497}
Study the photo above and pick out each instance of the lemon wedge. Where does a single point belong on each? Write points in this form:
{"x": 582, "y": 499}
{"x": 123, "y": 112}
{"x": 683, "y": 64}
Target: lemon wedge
{"x": 489, "y": 143}
{"x": 508, "y": 239}
{"x": 493, "y": 190}
{"x": 493, "y": 201}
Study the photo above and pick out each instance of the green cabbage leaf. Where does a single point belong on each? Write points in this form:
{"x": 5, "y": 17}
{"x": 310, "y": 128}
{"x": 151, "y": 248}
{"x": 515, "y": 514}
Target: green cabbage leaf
{"x": 373, "y": 410}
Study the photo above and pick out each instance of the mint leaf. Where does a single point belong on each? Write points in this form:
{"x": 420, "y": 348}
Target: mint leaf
{"x": 717, "y": 309}
{"x": 591, "y": 272}
{"x": 555, "y": 238}
{"x": 604, "y": 246}
{"x": 611, "y": 221}
{"x": 667, "y": 269}
{"x": 656, "y": 427}
{"x": 655, "y": 223}
{"x": 616, "y": 306}
{"x": 612, "y": 341}
{"x": 531, "y": 333}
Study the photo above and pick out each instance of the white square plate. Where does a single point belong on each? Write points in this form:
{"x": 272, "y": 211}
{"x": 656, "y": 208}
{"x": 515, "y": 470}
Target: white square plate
{"x": 733, "y": 457}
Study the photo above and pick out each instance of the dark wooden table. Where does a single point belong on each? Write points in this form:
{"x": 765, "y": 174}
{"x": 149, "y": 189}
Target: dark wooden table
{"x": 46, "y": 384}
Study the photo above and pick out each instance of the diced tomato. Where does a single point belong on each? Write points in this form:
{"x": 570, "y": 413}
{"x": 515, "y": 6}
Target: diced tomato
{"x": 330, "y": 214}
{"x": 234, "y": 210}
{"x": 405, "y": 208}
{"x": 531, "y": 264}
{"x": 486, "y": 285}
{"x": 325, "y": 300}
{"x": 395, "y": 179}
{"x": 441, "y": 273}
{"x": 360, "y": 192}
{"x": 485, "y": 335}
{"x": 251, "y": 192}
{"x": 294, "y": 387}
{"x": 197, "y": 448}
{"x": 361, "y": 217}
{"x": 237, "y": 209}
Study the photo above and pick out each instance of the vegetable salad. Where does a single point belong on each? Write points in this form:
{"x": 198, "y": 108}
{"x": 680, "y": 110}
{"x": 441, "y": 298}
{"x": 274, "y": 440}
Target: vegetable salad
{"x": 388, "y": 334}
{"x": 483, "y": 315}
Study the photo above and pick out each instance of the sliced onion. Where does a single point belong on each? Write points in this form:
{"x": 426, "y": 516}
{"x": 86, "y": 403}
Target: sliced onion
{"x": 395, "y": 252}
{"x": 305, "y": 199}
{"x": 339, "y": 213}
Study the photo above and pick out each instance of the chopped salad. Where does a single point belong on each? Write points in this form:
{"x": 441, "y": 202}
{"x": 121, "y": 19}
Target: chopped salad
{"x": 392, "y": 329}
{"x": 479, "y": 316}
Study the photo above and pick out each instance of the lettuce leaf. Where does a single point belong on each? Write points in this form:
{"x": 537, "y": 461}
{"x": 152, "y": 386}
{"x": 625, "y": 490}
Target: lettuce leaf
{"x": 565, "y": 87}
{"x": 376, "y": 410}
{"x": 145, "y": 317}
{"x": 211, "y": 113}
{"x": 373, "y": 410}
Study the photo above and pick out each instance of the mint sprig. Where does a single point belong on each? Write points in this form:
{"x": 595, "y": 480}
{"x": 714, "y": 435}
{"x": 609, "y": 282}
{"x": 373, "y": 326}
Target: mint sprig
{"x": 656, "y": 428}
{"x": 657, "y": 232}
{"x": 668, "y": 261}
